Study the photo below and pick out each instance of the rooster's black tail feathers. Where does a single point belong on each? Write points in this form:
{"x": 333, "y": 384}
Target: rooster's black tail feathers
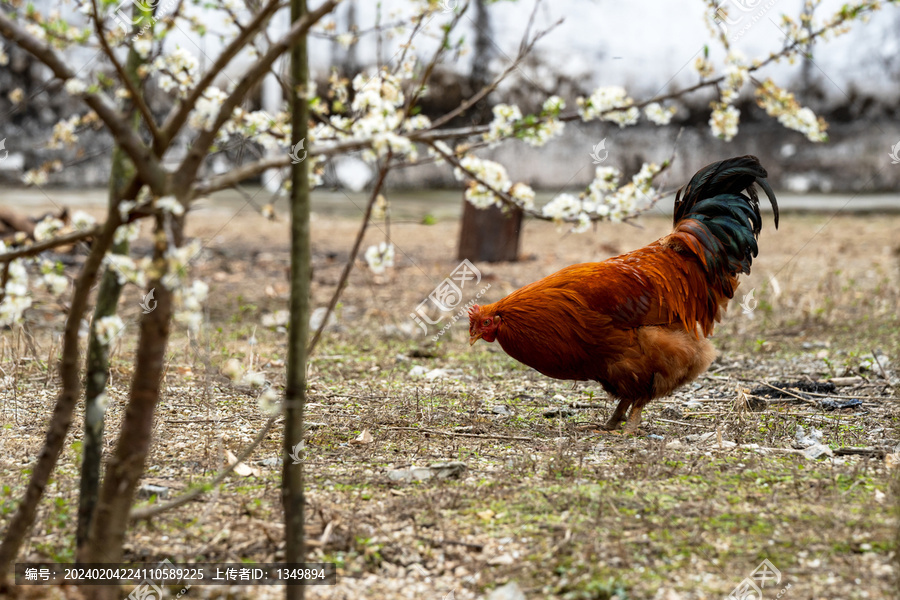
{"x": 729, "y": 221}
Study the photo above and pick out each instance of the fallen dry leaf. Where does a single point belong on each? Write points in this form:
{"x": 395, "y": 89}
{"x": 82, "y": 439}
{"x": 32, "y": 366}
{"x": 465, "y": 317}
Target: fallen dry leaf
{"x": 363, "y": 438}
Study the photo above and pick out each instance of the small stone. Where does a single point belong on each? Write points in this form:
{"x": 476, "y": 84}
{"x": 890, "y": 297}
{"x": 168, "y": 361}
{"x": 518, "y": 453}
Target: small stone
{"x": 148, "y": 490}
{"x": 449, "y": 470}
{"x": 558, "y": 412}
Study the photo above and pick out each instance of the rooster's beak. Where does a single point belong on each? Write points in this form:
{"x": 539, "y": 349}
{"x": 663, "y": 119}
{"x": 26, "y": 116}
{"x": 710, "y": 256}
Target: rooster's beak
{"x": 474, "y": 338}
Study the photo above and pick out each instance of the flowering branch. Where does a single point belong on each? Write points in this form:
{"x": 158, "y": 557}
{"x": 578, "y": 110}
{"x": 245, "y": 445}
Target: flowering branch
{"x": 187, "y": 171}
{"x": 148, "y": 168}
{"x": 134, "y": 94}
{"x": 40, "y": 247}
{"x": 176, "y": 119}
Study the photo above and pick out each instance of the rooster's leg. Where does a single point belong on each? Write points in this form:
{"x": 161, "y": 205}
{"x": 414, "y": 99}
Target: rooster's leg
{"x": 618, "y": 416}
{"x": 634, "y": 419}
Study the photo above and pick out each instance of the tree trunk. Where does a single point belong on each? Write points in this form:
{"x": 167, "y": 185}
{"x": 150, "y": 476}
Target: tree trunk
{"x": 126, "y": 465}
{"x": 292, "y": 493}
{"x": 97, "y": 361}
{"x": 96, "y": 376}
{"x": 65, "y": 404}
{"x": 490, "y": 235}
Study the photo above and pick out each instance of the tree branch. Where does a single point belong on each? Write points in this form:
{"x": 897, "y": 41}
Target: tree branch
{"x": 133, "y": 92}
{"x": 187, "y": 171}
{"x": 179, "y": 115}
{"x": 149, "y": 169}
{"x": 379, "y": 183}
{"x": 39, "y": 247}
{"x": 148, "y": 512}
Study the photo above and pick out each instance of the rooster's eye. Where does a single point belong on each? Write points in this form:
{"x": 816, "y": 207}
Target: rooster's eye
{"x": 486, "y": 322}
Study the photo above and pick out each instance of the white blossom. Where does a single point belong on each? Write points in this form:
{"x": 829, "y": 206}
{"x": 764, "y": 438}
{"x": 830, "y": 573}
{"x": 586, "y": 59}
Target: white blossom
{"x": 703, "y": 67}
{"x": 416, "y": 123}
{"x": 47, "y": 229}
{"x": 127, "y": 270}
{"x": 523, "y": 194}
{"x": 16, "y": 96}
{"x": 81, "y": 220}
{"x": 64, "y": 132}
{"x": 127, "y": 233}
{"x": 380, "y": 257}
{"x": 659, "y": 115}
{"x": 36, "y": 177}
{"x": 781, "y": 104}
{"x": 553, "y": 105}
{"x": 177, "y": 70}
{"x": 724, "y": 121}
{"x": 207, "y": 108}
{"x": 177, "y": 260}
{"x": 170, "y": 204}
{"x": 143, "y": 45}
{"x": 562, "y": 207}
{"x": 503, "y": 124}
{"x": 345, "y": 39}
{"x": 56, "y": 283}
{"x": 107, "y": 328}
{"x": 539, "y": 134}
{"x": 602, "y": 100}
{"x": 492, "y": 173}
{"x": 75, "y": 86}
{"x": 623, "y": 117}
{"x": 15, "y": 298}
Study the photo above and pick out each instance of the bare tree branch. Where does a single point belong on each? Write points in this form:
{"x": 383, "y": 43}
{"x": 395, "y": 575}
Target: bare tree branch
{"x": 351, "y": 259}
{"x": 524, "y": 50}
{"x": 148, "y": 512}
{"x": 39, "y": 247}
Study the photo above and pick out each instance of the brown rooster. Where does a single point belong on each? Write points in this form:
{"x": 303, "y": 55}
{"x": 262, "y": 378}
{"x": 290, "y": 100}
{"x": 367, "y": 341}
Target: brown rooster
{"x": 638, "y": 323}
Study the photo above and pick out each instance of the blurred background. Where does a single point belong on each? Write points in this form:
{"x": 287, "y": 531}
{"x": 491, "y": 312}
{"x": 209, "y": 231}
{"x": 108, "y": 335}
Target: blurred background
{"x": 648, "y": 47}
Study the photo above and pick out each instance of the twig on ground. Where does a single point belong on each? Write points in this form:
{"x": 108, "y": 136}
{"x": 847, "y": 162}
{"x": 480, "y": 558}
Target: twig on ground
{"x": 471, "y": 435}
{"x": 152, "y": 511}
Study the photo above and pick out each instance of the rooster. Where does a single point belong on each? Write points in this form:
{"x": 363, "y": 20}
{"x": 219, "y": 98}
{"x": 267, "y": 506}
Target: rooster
{"x": 638, "y": 323}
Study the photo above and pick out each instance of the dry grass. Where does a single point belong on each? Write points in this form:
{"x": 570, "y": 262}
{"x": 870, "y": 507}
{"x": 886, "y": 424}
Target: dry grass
{"x": 669, "y": 514}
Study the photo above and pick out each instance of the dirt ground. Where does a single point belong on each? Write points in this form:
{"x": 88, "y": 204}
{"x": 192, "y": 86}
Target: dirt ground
{"x": 686, "y": 510}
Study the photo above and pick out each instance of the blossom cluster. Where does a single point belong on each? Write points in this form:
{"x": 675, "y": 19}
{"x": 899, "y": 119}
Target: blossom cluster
{"x": 493, "y": 174}
{"x": 659, "y": 115}
{"x": 177, "y": 71}
{"x": 724, "y": 120}
{"x": 106, "y": 329}
{"x": 781, "y": 104}
{"x": 16, "y": 299}
{"x": 495, "y": 179}
{"x": 604, "y": 199}
{"x": 609, "y": 104}
{"x": 380, "y": 257}
{"x": 504, "y": 123}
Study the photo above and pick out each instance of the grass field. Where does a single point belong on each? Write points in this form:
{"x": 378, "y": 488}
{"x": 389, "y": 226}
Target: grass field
{"x": 686, "y": 510}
